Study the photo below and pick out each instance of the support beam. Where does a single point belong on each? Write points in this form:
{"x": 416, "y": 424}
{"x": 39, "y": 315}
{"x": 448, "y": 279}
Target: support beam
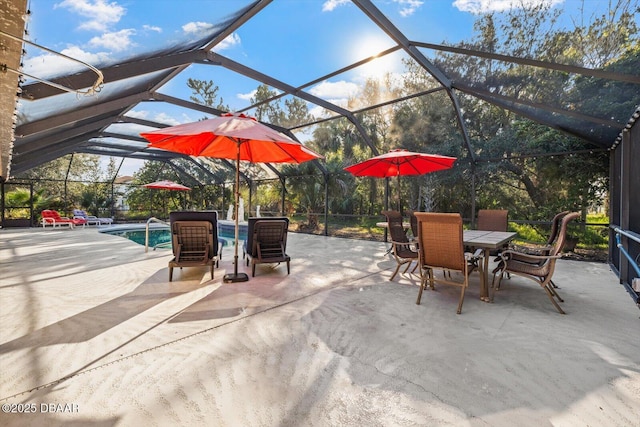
{"x": 69, "y": 118}
{"x": 603, "y": 74}
{"x": 35, "y": 143}
{"x": 509, "y": 106}
{"x": 536, "y": 105}
{"x": 135, "y": 67}
{"x": 142, "y": 122}
{"x": 187, "y": 104}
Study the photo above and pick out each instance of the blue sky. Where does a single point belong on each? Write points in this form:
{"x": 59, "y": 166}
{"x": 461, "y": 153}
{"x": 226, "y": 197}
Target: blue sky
{"x": 295, "y": 41}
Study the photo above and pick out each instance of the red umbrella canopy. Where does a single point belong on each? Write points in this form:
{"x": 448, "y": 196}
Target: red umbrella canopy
{"x": 225, "y": 136}
{"x": 167, "y": 185}
{"x": 401, "y": 162}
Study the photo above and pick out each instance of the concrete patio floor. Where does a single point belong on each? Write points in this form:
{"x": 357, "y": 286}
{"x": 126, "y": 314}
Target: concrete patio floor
{"x": 93, "y": 333}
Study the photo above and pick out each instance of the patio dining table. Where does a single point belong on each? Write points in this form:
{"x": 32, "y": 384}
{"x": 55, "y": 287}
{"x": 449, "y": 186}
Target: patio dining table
{"x": 385, "y": 224}
{"x": 486, "y": 240}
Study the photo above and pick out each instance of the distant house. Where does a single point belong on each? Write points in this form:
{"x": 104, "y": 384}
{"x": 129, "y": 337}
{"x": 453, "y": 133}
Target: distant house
{"x": 122, "y": 185}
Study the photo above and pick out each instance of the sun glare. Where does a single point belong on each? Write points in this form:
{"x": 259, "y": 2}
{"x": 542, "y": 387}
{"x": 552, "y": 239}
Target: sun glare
{"x": 369, "y": 46}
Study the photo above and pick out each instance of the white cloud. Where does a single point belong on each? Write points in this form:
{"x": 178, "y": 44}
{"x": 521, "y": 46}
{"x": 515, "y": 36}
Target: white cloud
{"x": 116, "y": 41}
{"x": 486, "y": 6}
{"x": 166, "y": 119}
{"x": 161, "y": 117}
{"x": 138, "y": 114}
{"x": 230, "y": 41}
{"x": 247, "y": 96}
{"x": 152, "y": 28}
{"x": 337, "y": 93}
{"x": 196, "y": 27}
{"x": 320, "y": 112}
{"x": 100, "y": 13}
{"x": 48, "y": 64}
{"x": 334, "y": 90}
{"x": 408, "y": 7}
{"x": 330, "y": 5}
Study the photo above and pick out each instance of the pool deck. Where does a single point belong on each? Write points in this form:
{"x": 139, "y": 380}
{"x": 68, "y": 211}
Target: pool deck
{"x": 93, "y": 333}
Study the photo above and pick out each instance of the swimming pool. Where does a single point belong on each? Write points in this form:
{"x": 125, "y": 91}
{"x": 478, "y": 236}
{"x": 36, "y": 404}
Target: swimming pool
{"x": 160, "y": 234}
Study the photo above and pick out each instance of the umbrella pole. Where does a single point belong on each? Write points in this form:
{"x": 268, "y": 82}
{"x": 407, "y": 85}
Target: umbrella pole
{"x": 399, "y": 199}
{"x": 236, "y": 277}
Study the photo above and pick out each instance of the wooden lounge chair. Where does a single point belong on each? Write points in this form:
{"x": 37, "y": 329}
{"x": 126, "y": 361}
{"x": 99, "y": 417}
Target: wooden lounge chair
{"x": 538, "y": 268}
{"x": 193, "y": 245}
{"x": 53, "y": 218}
{"x": 440, "y": 245}
{"x": 211, "y": 216}
{"x": 402, "y": 248}
{"x": 247, "y": 245}
{"x": 269, "y": 244}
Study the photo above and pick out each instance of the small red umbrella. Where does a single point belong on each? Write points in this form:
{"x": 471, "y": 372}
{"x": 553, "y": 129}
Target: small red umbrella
{"x": 401, "y": 162}
{"x": 231, "y": 136}
{"x": 167, "y": 185}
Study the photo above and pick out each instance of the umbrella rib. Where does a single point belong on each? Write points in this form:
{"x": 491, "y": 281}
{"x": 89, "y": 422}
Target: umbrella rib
{"x": 282, "y": 148}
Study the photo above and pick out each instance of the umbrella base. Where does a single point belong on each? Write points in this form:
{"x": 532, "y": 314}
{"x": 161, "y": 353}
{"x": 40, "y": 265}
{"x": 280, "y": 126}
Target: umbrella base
{"x": 235, "y": 277}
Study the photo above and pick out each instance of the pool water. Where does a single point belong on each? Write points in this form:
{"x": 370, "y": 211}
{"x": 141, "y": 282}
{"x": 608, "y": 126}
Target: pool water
{"x": 156, "y": 237}
{"x": 160, "y": 235}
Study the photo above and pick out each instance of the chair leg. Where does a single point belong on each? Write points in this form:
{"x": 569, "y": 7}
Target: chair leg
{"x": 496, "y": 286}
{"x": 432, "y": 279}
{"x": 212, "y": 263}
{"x": 550, "y": 295}
{"x": 554, "y": 292}
{"x": 408, "y": 265}
{"x": 170, "y": 273}
{"x": 422, "y": 284}
{"x": 253, "y": 270}
{"x": 396, "y": 271}
{"x": 425, "y": 277}
{"x": 288, "y": 269}
{"x": 461, "y": 300}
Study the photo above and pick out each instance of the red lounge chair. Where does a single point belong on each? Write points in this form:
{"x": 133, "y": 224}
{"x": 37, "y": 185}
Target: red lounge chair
{"x": 53, "y": 218}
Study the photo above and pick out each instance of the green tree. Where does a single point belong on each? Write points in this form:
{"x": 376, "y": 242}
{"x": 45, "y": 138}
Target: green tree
{"x": 528, "y": 181}
{"x": 66, "y": 181}
{"x": 205, "y": 92}
{"x": 270, "y": 112}
{"x": 17, "y": 201}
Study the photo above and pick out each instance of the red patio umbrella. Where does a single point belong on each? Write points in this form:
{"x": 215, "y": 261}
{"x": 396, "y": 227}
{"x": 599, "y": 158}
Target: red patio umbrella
{"x": 167, "y": 185}
{"x": 401, "y": 162}
{"x": 231, "y": 136}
